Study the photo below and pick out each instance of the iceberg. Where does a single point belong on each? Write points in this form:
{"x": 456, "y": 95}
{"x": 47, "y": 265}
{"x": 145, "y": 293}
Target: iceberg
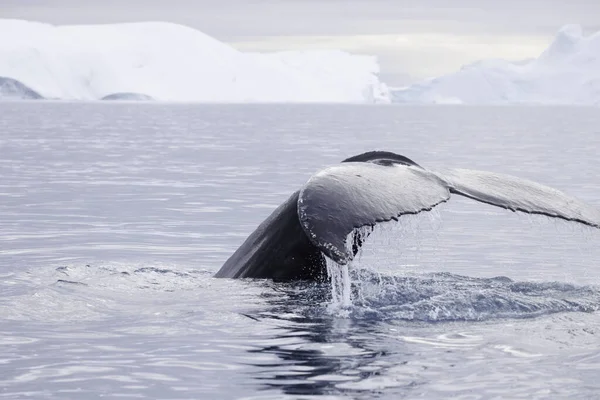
{"x": 169, "y": 62}
{"x": 566, "y": 73}
{"x": 13, "y": 89}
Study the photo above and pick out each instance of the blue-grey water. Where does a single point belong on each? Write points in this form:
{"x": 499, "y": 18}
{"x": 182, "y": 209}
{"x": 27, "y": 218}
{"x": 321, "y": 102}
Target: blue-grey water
{"x": 113, "y": 218}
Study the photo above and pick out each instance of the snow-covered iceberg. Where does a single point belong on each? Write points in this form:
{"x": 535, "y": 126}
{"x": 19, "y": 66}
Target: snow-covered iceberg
{"x": 567, "y": 72}
{"x": 169, "y": 62}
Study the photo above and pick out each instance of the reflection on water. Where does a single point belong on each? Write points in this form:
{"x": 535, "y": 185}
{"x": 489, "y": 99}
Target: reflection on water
{"x": 316, "y": 351}
{"x": 321, "y": 353}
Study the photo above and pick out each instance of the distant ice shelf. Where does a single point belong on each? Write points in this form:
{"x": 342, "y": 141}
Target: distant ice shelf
{"x": 566, "y": 73}
{"x": 169, "y": 62}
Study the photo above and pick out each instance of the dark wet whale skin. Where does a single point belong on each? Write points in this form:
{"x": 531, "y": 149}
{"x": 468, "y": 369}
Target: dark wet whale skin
{"x": 317, "y": 219}
{"x": 279, "y": 248}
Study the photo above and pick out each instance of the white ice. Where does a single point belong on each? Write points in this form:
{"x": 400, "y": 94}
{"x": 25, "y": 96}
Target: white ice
{"x": 566, "y": 73}
{"x": 170, "y": 62}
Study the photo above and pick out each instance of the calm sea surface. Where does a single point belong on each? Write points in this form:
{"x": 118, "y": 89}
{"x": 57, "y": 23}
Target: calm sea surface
{"x": 113, "y": 218}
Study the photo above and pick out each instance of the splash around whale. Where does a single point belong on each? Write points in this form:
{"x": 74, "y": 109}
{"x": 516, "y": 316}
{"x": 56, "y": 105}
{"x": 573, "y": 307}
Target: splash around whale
{"x": 317, "y": 221}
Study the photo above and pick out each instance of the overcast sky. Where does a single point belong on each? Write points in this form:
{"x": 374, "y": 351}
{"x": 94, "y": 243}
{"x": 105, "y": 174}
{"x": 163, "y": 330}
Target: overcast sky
{"x": 413, "y": 39}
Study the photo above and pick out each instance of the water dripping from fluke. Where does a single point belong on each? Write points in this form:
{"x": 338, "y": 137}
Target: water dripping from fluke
{"x": 359, "y": 291}
{"x": 341, "y": 288}
{"x": 339, "y": 275}
{"x": 346, "y": 280}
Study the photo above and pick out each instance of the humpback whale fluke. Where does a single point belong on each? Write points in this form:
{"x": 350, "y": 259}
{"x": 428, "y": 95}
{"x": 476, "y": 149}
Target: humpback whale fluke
{"x": 374, "y": 187}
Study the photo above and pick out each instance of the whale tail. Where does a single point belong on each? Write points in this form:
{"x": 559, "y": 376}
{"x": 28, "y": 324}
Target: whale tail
{"x": 370, "y": 188}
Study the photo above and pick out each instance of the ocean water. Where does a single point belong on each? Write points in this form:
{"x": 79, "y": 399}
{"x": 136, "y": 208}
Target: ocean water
{"x": 114, "y": 217}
